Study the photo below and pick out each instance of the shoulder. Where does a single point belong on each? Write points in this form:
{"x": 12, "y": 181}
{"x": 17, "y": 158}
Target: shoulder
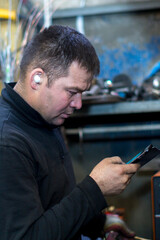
{"x": 12, "y": 133}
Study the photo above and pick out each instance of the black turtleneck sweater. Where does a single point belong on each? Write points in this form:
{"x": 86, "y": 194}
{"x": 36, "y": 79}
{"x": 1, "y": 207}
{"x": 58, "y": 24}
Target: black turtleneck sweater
{"x": 38, "y": 196}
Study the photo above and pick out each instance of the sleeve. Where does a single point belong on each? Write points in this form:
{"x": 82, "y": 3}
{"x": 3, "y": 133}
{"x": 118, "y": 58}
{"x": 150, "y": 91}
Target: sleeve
{"x": 22, "y": 215}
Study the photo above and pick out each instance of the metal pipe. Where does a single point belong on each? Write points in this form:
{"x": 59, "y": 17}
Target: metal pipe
{"x": 115, "y": 129}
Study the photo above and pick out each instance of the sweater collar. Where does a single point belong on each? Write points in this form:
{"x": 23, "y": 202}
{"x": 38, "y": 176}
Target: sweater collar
{"x": 24, "y": 110}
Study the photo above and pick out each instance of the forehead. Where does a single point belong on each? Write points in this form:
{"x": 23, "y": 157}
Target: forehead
{"x": 78, "y": 76}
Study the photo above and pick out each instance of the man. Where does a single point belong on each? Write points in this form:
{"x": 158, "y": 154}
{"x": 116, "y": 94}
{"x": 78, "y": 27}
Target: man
{"x": 38, "y": 195}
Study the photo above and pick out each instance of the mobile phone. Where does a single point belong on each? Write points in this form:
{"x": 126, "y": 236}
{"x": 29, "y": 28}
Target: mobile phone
{"x": 145, "y": 156}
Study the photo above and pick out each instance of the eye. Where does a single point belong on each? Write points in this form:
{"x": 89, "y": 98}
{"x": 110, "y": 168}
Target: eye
{"x": 72, "y": 93}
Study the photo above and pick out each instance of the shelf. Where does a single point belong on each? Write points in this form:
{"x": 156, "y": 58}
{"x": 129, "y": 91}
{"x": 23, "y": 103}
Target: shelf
{"x": 118, "y": 108}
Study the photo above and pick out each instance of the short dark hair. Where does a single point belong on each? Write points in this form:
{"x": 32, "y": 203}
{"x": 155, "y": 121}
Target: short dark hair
{"x": 55, "y": 48}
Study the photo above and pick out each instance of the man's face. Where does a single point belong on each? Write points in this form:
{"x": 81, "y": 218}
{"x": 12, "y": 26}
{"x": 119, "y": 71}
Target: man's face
{"x": 58, "y": 101}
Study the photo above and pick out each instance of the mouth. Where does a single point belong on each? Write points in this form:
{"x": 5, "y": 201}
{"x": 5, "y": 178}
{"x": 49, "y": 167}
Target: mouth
{"x": 65, "y": 115}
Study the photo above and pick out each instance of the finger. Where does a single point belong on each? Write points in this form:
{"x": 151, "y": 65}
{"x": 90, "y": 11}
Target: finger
{"x": 127, "y": 178}
{"x": 116, "y": 160}
{"x": 131, "y": 168}
{"x": 128, "y": 181}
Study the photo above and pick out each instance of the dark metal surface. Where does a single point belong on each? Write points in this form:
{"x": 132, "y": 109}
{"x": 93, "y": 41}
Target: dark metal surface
{"x": 119, "y": 108}
{"x": 103, "y": 98}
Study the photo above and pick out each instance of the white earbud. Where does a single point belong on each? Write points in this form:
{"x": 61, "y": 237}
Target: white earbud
{"x": 37, "y": 78}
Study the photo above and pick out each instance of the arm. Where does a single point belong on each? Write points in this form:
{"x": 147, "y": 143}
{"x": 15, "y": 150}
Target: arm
{"x": 22, "y": 214}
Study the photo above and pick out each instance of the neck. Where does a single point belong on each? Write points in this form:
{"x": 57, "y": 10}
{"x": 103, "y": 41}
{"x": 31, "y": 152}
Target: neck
{"x": 29, "y": 96}
{"x": 19, "y": 88}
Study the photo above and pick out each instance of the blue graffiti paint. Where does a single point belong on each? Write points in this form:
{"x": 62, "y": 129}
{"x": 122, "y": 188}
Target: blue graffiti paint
{"x": 130, "y": 58}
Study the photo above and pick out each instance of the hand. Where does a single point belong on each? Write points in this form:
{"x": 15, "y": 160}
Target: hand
{"x": 112, "y": 175}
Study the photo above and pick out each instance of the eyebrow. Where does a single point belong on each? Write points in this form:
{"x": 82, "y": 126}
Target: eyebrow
{"x": 76, "y": 89}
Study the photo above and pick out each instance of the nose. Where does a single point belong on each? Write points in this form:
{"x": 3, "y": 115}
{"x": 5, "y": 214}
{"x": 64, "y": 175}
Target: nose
{"x": 76, "y": 101}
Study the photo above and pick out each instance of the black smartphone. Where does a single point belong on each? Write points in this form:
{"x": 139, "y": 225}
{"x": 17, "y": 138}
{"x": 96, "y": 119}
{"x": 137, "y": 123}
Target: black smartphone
{"x": 146, "y": 155}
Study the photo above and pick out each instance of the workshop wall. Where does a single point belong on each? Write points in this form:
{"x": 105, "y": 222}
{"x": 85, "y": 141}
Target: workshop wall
{"x": 126, "y": 42}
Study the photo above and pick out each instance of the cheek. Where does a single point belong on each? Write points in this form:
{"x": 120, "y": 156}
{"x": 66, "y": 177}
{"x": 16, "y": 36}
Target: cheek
{"x": 61, "y": 103}
{"x": 57, "y": 102}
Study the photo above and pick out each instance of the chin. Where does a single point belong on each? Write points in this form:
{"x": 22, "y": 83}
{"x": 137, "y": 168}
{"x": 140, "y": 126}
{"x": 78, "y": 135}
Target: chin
{"x": 58, "y": 121}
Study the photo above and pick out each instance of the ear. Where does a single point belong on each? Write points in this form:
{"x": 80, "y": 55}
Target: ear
{"x": 37, "y": 77}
